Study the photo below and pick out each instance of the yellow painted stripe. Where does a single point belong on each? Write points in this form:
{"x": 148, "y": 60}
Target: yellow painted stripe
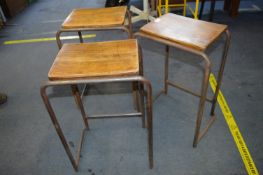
{"x": 241, "y": 145}
{"x": 46, "y": 39}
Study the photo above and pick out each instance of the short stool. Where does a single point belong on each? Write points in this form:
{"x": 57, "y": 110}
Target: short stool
{"x": 93, "y": 63}
{"x": 192, "y": 36}
{"x": 96, "y": 19}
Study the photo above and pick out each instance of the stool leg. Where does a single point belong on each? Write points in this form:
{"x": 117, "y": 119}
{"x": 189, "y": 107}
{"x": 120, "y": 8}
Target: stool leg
{"x": 59, "y": 43}
{"x": 220, "y": 73}
{"x": 142, "y": 106}
{"x": 141, "y": 87}
{"x": 166, "y": 68}
{"x": 129, "y": 24}
{"x": 202, "y": 103}
{"x": 57, "y": 127}
{"x": 135, "y": 95}
{"x": 80, "y": 36}
{"x": 134, "y": 85}
{"x": 78, "y": 100}
{"x": 149, "y": 120}
{"x": 212, "y": 9}
{"x": 201, "y": 9}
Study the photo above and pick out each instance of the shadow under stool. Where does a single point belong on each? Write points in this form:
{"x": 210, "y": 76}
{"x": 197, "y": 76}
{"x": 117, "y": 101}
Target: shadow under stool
{"x": 193, "y": 36}
{"x": 93, "y": 63}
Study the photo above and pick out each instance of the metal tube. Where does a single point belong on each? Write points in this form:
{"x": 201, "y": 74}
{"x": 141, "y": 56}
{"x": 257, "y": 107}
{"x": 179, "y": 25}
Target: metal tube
{"x": 58, "y": 39}
{"x": 141, "y": 87}
{"x": 201, "y": 9}
{"x": 80, "y": 37}
{"x": 187, "y": 90}
{"x": 108, "y": 116}
{"x": 207, "y": 70}
{"x": 57, "y": 126}
{"x": 76, "y": 94}
{"x": 212, "y": 9}
{"x": 130, "y": 35}
{"x": 149, "y": 122}
{"x": 221, "y": 70}
{"x": 80, "y": 146}
{"x": 208, "y": 125}
{"x": 166, "y": 68}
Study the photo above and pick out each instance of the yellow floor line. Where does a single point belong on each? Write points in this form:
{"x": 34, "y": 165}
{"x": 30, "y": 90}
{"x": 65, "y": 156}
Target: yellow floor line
{"x": 240, "y": 142}
{"x": 46, "y": 39}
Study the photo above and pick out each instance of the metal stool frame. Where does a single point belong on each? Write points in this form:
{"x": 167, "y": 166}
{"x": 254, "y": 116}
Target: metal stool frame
{"x": 139, "y": 80}
{"x": 206, "y": 71}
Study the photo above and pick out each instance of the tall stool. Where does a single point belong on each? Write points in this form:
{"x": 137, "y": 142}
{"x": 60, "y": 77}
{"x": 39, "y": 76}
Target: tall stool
{"x": 99, "y": 62}
{"x": 95, "y": 19}
{"x": 192, "y": 36}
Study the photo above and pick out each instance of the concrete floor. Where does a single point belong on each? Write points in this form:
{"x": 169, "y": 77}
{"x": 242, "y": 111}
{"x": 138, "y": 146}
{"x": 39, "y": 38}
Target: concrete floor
{"x": 30, "y": 145}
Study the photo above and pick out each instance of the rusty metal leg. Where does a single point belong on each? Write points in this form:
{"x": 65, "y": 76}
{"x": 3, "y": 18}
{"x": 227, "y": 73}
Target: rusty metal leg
{"x": 73, "y": 90}
{"x": 135, "y": 96}
{"x": 80, "y": 37}
{"x": 59, "y": 43}
{"x": 141, "y": 88}
{"x": 57, "y": 127}
{"x": 78, "y": 100}
{"x": 201, "y": 9}
{"x": 166, "y": 68}
{"x": 149, "y": 121}
{"x": 220, "y": 73}
{"x": 130, "y": 35}
{"x": 201, "y": 107}
{"x": 142, "y": 106}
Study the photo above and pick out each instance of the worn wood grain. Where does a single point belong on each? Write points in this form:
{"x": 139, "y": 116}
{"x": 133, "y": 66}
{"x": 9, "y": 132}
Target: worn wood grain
{"x": 84, "y": 60}
{"x": 96, "y": 17}
{"x": 186, "y": 31}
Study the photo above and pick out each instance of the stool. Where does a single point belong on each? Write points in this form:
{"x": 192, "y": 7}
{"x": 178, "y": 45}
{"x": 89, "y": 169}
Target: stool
{"x": 99, "y": 62}
{"x": 192, "y": 36}
{"x": 112, "y": 18}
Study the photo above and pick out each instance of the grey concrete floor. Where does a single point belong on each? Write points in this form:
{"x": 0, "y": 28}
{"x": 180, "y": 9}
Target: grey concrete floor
{"x": 30, "y": 145}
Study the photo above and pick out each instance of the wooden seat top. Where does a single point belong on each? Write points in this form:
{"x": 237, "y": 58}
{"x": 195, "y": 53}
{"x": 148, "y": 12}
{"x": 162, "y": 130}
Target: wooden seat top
{"x": 96, "y": 17}
{"x": 185, "y": 31}
{"x": 99, "y": 59}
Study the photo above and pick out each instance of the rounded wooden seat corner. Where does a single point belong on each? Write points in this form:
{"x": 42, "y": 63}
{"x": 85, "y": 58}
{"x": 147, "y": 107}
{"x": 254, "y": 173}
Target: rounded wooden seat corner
{"x": 100, "y": 59}
{"x": 95, "y": 17}
{"x": 191, "y": 33}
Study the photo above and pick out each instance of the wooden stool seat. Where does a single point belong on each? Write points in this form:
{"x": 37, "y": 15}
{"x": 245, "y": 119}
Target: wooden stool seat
{"x": 84, "y": 60}
{"x": 185, "y": 31}
{"x": 95, "y": 18}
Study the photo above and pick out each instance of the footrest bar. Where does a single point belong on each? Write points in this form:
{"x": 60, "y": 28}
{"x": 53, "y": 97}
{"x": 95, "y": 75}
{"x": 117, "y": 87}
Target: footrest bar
{"x": 102, "y": 116}
{"x": 187, "y": 90}
{"x": 80, "y": 146}
{"x": 158, "y": 95}
{"x": 84, "y": 90}
{"x": 209, "y": 124}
